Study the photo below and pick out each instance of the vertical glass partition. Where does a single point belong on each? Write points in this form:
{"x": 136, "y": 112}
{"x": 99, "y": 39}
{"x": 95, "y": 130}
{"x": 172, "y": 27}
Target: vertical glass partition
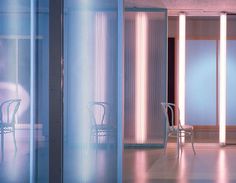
{"x": 24, "y": 77}
{"x": 202, "y": 34}
{"x": 90, "y": 91}
{"x": 145, "y": 76}
{"x": 231, "y": 79}
{"x": 201, "y": 82}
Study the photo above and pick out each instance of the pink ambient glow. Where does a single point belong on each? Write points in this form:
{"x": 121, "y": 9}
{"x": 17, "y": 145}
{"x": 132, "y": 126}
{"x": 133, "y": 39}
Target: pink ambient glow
{"x": 222, "y": 78}
{"x": 100, "y": 57}
{"x": 141, "y": 78}
{"x": 100, "y": 74}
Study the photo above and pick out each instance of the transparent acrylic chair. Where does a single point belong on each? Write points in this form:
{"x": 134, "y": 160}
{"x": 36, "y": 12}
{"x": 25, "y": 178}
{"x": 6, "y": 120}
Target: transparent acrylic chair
{"x": 8, "y": 110}
{"x": 178, "y": 130}
{"x": 101, "y": 121}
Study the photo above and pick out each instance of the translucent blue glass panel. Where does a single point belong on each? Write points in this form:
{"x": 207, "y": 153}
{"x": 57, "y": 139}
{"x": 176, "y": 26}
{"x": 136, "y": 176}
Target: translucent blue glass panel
{"x": 90, "y": 91}
{"x": 8, "y": 61}
{"x": 201, "y": 82}
{"x": 231, "y": 82}
{"x": 15, "y": 82}
{"x": 24, "y": 75}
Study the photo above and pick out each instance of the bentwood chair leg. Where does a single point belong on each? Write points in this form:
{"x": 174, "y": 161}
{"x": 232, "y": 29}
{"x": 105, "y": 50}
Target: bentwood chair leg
{"x": 178, "y": 144}
{"x": 165, "y": 144}
{"x": 192, "y": 143}
{"x": 2, "y": 143}
{"x": 96, "y": 136}
{"x": 14, "y": 139}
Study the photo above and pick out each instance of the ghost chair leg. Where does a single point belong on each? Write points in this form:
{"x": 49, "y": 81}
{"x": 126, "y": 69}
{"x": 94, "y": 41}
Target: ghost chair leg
{"x": 192, "y": 143}
{"x": 165, "y": 143}
{"x": 14, "y": 139}
{"x": 2, "y": 143}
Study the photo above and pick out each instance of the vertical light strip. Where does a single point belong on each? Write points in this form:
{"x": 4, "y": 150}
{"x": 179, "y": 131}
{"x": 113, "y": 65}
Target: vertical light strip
{"x": 141, "y": 78}
{"x": 85, "y": 38}
{"x": 17, "y": 73}
{"x": 222, "y": 78}
{"x": 100, "y": 57}
{"x": 32, "y": 88}
{"x": 182, "y": 39}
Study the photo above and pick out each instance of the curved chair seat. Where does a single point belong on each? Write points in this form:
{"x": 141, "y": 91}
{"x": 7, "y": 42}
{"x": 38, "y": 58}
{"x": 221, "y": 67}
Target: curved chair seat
{"x": 103, "y": 130}
{"x": 6, "y": 128}
{"x": 106, "y": 127}
{"x": 183, "y": 127}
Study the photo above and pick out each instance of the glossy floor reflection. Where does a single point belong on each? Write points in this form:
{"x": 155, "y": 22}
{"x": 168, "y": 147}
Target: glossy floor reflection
{"x": 211, "y": 164}
{"x": 90, "y": 165}
{"x": 15, "y": 166}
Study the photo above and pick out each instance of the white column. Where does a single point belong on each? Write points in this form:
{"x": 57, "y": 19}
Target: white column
{"x": 181, "y": 72}
{"x": 222, "y": 78}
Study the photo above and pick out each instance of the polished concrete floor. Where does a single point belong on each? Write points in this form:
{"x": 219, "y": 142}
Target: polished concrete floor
{"x": 212, "y": 163}
{"x": 81, "y": 164}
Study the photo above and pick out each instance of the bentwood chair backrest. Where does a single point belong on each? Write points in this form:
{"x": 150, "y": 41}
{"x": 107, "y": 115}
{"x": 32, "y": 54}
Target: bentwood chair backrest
{"x": 8, "y": 111}
{"x": 168, "y": 109}
{"x": 99, "y": 113}
{"x": 171, "y": 112}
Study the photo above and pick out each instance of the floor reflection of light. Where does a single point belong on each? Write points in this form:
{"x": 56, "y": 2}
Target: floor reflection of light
{"x": 101, "y": 164}
{"x": 140, "y": 166}
{"x": 222, "y": 175}
{"x": 182, "y": 170}
{"x": 86, "y": 165}
{"x": 141, "y": 77}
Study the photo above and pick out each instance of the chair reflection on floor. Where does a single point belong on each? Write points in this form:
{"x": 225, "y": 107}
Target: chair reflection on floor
{"x": 8, "y": 110}
{"x": 101, "y": 122}
{"x": 178, "y": 130}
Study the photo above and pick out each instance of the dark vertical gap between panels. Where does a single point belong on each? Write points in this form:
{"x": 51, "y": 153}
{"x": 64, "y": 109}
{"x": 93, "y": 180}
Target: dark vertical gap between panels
{"x": 55, "y": 91}
{"x": 171, "y": 70}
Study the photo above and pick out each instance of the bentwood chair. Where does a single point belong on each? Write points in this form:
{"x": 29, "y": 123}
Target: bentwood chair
{"x": 101, "y": 122}
{"x": 8, "y": 110}
{"x": 177, "y": 130}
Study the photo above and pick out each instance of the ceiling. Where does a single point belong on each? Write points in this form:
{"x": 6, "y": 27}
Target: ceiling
{"x": 191, "y": 7}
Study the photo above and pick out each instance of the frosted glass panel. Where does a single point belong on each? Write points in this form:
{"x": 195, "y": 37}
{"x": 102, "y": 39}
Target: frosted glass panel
{"x": 145, "y": 75}
{"x": 90, "y": 91}
{"x": 231, "y": 82}
{"x": 201, "y": 82}
{"x": 15, "y": 82}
